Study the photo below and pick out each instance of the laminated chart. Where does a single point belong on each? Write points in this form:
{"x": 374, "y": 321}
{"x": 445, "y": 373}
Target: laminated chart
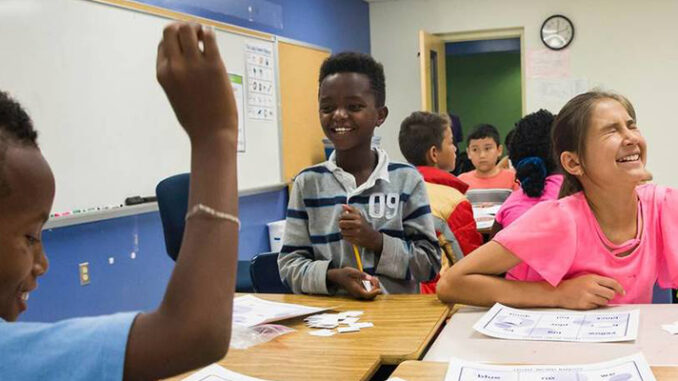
{"x": 559, "y": 325}
{"x": 630, "y": 368}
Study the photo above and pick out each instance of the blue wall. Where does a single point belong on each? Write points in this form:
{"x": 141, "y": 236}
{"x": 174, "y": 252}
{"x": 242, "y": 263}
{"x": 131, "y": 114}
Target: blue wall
{"x": 335, "y": 24}
{"x": 129, "y": 283}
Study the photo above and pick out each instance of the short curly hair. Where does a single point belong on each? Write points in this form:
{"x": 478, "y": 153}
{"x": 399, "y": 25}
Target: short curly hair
{"x": 354, "y": 62}
{"x": 16, "y": 127}
{"x": 418, "y": 133}
{"x": 532, "y": 138}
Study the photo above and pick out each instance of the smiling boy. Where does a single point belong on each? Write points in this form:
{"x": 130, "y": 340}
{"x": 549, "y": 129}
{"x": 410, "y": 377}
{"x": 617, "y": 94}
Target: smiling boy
{"x": 357, "y": 199}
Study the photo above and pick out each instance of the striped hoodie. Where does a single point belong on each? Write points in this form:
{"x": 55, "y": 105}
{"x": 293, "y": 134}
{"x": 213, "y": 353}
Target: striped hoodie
{"x": 393, "y": 200}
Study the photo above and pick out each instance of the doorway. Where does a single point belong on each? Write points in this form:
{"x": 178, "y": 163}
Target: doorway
{"x": 483, "y": 83}
{"x": 477, "y": 76}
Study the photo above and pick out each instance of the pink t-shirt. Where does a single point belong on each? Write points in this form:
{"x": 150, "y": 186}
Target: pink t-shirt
{"x": 561, "y": 239}
{"x": 505, "y": 179}
{"x": 518, "y": 202}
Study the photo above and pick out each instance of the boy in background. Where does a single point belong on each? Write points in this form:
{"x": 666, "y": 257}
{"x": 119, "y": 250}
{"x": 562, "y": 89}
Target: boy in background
{"x": 426, "y": 141}
{"x": 357, "y": 201}
{"x": 196, "y": 310}
{"x": 484, "y": 149}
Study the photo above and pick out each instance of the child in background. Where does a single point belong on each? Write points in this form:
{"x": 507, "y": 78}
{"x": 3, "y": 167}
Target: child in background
{"x": 606, "y": 240}
{"x": 505, "y": 162}
{"x": 537, "y": 171}
{"x": 197, "y": 308}
{"x": 357, "y": 200}
{"x": 536, "y": 168}
{"x": 484, "y": 149}
{"x": 426, "y": 141}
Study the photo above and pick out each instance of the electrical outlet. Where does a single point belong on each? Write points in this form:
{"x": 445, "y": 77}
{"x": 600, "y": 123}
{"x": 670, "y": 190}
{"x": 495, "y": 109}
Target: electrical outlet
{"x": 84, "y": 273}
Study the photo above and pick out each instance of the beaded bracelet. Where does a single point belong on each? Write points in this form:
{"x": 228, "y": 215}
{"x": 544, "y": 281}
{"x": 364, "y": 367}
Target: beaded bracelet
{"x": 198, "y": 208}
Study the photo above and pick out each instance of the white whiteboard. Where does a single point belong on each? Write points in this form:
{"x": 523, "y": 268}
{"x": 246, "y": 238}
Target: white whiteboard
{"x": 85, "y": 72}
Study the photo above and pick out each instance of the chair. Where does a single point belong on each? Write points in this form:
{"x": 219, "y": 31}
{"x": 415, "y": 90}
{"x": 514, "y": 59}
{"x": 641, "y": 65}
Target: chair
{"x": 172, "y": 194}
{"x": 448, "y": 242}
{"x": 265, "y": 275}
{"x": 498, "y": 196}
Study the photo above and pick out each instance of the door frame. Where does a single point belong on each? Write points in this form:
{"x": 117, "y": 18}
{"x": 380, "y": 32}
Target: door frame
{"x": 494, "y": 34}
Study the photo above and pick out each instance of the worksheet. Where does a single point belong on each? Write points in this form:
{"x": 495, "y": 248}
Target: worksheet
{"x": 249, "y": 311}
{"x": 216, "y": 372}
{"x": 630, "y": 368}
{"x": 484, "y": 214}
{"x": 594, "y": 326}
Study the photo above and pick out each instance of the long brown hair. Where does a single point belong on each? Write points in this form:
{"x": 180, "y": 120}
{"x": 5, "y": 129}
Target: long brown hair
{"x": 570, "y": 129}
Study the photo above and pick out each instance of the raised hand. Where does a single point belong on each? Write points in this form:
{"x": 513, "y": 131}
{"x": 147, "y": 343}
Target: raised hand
{"x": 196, "y": 82}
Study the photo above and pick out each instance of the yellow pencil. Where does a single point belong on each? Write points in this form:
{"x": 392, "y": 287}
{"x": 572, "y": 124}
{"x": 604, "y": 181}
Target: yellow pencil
{"x": 357, "y": 258}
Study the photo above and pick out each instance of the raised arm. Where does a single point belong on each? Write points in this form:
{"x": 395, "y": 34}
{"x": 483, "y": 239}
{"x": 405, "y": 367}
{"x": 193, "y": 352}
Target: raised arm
{"x": 475, "y": 281}
{"x": 191, "y": 327}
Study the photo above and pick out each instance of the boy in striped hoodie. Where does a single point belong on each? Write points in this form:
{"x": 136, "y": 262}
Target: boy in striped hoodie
{"x": 426, "y": 141}
{"x": 357, "y": 200}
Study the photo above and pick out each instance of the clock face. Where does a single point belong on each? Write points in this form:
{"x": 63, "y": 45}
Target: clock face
{"x": 557, "y": 32}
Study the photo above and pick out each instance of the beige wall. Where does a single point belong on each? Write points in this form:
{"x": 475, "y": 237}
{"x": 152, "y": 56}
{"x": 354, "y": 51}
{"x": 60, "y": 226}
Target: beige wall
{"x": 623, "y": 45}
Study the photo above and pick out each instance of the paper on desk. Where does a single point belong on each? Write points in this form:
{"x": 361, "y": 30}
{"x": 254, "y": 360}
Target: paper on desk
{"x": 249, "y": 311}
{"x": 630, "y": 368}
{"x": 216, "y": 372}
{"x": 484, "y": 213}
{"x": 485, "y": 209}
{"x": 671, "y": 328}
{"x": 511, "y": 323}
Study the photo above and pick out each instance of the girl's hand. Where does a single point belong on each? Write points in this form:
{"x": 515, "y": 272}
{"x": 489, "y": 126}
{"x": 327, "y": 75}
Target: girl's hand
{"x": 356, "y": 230}
{"x": 587, "y": 292}
{"x": 196, "y": 83}
{"x": 350, "y": 279}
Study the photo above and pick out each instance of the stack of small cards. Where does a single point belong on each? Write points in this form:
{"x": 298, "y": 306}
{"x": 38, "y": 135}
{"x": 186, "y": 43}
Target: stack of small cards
{"x": 344, "y": 322}
{"x": 671, "y": 328}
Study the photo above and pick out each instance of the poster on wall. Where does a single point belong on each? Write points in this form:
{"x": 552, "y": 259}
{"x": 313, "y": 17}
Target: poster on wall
{"x": 260, "y": 82}
{"x": 550, "y": 80}
{"x": 545, "y": 63}
{"x": 238, "y": 93}
{"x": 554, "y": 93}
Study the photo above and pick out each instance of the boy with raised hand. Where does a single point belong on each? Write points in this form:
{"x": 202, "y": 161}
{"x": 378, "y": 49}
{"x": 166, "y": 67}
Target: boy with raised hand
{"x": 196, "y": 310}
{"x": 426, "y": 141}
{"x": 484, "y": 149}
{"x": 357, "y": 200}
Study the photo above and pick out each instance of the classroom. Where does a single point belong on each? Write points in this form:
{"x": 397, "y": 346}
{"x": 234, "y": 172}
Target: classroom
{"x": 85, "y": 72}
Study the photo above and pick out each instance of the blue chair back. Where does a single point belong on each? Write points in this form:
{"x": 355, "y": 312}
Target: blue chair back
{"x": 265, "y": 275}
{"x": 172, "y": 196}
